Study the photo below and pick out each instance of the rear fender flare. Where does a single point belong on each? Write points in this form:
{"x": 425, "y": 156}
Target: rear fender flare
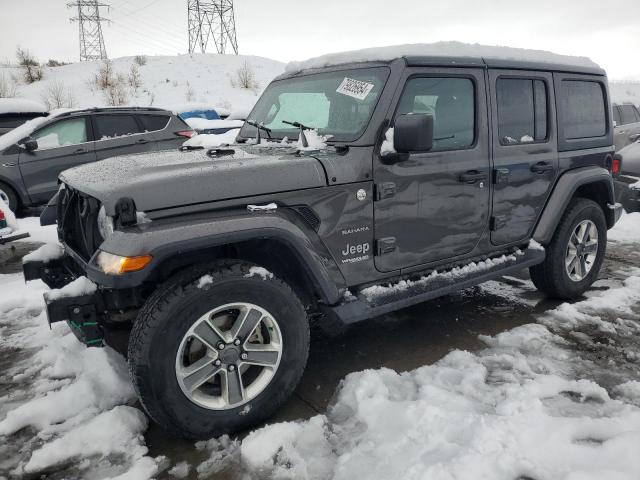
{"x": 565, "y": 189}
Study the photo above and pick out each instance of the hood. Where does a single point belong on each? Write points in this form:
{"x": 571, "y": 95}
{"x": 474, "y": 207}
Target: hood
{"x": 161, "y": 180}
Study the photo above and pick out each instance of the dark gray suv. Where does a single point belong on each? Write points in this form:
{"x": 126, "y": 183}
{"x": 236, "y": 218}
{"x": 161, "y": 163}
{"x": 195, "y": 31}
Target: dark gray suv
{"x": 33, "y": 155}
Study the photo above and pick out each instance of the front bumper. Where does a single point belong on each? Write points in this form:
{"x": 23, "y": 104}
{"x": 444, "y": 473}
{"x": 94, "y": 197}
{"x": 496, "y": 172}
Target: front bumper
{"x": 627, "y": 193}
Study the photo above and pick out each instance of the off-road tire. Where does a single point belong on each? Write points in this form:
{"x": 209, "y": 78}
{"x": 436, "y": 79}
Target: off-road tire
{"x": 170, "y": 312}
{"x": 551, "y": 276}
{"x": 14, "y": 203}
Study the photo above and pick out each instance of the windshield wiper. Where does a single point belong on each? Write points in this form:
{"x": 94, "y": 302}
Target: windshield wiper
{"x": 302, "y": 128}
{"x": 258, "y": 127}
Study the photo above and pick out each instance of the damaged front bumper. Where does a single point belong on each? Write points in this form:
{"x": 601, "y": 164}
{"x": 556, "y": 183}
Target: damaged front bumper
{"x": 85, "y": 313}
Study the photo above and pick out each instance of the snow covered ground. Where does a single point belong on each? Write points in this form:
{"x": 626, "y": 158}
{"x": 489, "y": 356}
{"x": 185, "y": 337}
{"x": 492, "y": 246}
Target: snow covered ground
{"x": 554, "y": 399}
{"x": 165, "y": 81}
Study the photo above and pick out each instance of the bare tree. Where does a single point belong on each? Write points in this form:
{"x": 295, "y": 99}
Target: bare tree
{"x": 190, "y": 94}
{"x": 31, "y": 69}
{"x": 8, "y": 87}
{"x": 140, "y": 60}
{"x": 245, "y": 77}
{"x": 116, "y": 94}
{"x": 134, "y": 80}
{"x": 57, "y": 95}
{"x": 105, "y": 78}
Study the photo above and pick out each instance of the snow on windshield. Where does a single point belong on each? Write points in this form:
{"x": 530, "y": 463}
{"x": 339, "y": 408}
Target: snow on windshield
{"x": 439, "y": 49}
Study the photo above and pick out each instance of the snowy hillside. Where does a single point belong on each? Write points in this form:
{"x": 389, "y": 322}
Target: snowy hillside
{"x": 164, "y": 81}
{"x": 625, "y": 92}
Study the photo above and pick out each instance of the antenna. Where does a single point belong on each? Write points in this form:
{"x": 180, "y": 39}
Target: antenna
{"x": 90, "y": 29}
{"x": 211, "y": 20}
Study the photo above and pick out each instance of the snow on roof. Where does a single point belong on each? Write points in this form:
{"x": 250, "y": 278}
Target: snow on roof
{"x": 21, "y": 105}
{"x": 440, "y": 49}
{"x": 27, "y": 128}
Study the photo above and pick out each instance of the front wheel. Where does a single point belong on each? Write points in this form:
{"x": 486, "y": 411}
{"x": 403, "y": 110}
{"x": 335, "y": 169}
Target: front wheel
{"x": 575, "y": 253}
{"x": 217, "y": 352}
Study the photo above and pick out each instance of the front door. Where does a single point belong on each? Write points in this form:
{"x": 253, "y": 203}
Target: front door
{"x": 525, "y": 152}
{"x": 435, "y": 205}
{"x": 61, "y": 145}
{"x": 120, "y": 134}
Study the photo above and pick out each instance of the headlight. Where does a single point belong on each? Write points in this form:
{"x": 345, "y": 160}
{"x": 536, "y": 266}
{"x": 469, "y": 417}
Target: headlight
{"x": 117, "y": 265}
{"x": 105, "y": 223}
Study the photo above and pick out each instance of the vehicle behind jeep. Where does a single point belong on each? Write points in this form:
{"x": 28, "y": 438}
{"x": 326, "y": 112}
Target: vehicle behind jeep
{"x": 354, "y": 189}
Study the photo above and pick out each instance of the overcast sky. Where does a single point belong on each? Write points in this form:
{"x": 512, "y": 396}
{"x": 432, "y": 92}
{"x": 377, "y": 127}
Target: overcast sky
{"x": 607, "y": 31}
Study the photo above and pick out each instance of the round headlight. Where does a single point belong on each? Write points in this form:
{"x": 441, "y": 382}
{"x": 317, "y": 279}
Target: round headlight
{"x": 105, "y": 223}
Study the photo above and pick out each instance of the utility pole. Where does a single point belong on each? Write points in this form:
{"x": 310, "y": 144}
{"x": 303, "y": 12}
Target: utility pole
{"x": 90, "y": 29}
{"x": 211, "y": 20}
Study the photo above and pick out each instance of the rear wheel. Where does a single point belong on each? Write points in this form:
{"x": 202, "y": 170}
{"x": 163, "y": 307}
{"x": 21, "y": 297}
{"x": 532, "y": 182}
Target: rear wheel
{"x": 8, "y": 196}
{"x": 218, "y": 351}
{"x": 575, "y": 253}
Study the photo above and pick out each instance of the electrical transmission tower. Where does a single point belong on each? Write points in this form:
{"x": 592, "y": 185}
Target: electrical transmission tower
{"x": 90, "y": 29}
{"x": 211, "y": 20}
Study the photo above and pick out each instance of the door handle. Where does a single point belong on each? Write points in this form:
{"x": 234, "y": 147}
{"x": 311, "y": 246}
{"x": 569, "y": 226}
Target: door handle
{"x": 541, "y": 167}
{"x": 472, "y": 176}
{"x": 142, "y": 141}
{"x": 80, "y": 150}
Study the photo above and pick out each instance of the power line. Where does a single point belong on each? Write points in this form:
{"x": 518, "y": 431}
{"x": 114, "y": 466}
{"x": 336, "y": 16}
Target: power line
{"x": 150, "y": 32}
{"x": 90, "y": 29}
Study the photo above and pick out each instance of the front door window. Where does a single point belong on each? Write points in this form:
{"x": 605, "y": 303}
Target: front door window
{"x": 63, "y": 133}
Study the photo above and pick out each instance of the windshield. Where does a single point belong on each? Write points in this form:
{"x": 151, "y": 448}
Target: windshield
{"x": 335, "y": 103}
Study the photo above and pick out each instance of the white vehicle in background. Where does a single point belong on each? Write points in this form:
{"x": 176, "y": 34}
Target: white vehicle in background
{"x": 16, "y": 111}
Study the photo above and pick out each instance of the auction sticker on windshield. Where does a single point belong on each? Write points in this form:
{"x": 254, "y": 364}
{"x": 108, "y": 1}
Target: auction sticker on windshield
{"x": 355, "y": 88}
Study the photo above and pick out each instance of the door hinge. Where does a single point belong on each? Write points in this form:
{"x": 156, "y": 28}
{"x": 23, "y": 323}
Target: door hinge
{"x": 385, "y": 190}
{"x": 500, "y": 176}
{"x": 498, "y": 222}
{"x": 385, "y": 246}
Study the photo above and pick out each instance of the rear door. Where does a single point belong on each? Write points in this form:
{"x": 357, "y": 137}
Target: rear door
{"x": 525, "y": 151}
{"x": 158, "y": 126}
{"x": 63, "y": 144}
{"x": 120, "y": 134}
{"x": 425, "y": 210}
{"x": 630, "y": 130}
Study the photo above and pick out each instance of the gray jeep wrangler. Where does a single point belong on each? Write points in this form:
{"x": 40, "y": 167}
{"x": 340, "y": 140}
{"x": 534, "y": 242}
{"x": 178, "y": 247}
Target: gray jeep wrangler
{"x": 410, "y": 179}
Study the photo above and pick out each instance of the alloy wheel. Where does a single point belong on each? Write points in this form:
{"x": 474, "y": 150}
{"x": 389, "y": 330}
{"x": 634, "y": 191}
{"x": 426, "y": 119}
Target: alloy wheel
{"x": 582, "y": 250}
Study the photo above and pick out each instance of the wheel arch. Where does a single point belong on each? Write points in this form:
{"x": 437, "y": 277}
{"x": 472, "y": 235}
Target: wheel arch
{"x": 594, "y": 183}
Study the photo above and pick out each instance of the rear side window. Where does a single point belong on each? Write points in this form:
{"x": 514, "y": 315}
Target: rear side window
{"x": 583, "y": 104}
{"x": 628, "y": 114}
{"x": 112, "y": 126}
{"x": 616, "y": 116}
{"x": 451, "y": 101}
{"x": 151, "y": 123}
{"x": 522, "y": 110}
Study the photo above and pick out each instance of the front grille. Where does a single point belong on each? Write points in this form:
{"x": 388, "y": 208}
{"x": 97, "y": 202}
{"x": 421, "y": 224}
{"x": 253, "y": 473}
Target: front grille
{"x": 78, "y": 222}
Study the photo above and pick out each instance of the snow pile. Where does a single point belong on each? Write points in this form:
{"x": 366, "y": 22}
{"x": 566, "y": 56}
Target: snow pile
{"x": 68, "y": 403}
{"x": 259, "y": 271}
{"x": 46, "y": 253}
{"x": 204, "y": 124}
{"x": 213, "y": 140}
{"x": 376, "y": 291}
{"x": 80, "y": 286}
{"x": 627, "y": 230}
{"x": 315, "y": 141}
{"x": 439, "y": 49}
{"x": 21, "y": 105}
{"x": 510, "y": 411}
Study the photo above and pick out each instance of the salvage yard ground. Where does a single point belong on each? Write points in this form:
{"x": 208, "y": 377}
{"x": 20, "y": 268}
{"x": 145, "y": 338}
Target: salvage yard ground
{"x": 494, "y": 382}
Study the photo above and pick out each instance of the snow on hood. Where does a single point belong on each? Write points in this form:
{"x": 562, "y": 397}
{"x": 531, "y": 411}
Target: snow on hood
{"x": 439, "y": 49}
{"x": 21, "y": 105}
{"x": 167, "y": 179}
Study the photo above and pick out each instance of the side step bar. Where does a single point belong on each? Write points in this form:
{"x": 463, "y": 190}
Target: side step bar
{"x": 380, "y": 299}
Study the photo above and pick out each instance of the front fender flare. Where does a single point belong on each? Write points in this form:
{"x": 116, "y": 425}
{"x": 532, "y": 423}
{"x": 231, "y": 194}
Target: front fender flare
{"x": 165, "y": 238}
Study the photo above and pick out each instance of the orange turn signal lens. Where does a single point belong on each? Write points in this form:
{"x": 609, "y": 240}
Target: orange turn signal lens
{"x": 117, "y": 265}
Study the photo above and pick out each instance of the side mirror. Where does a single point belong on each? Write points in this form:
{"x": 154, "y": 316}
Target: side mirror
{"x": 413, "y": 133}
{"x": 29, "y": 144}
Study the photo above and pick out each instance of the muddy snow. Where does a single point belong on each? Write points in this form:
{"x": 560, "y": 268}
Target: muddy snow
{"x": 556, "y": 398}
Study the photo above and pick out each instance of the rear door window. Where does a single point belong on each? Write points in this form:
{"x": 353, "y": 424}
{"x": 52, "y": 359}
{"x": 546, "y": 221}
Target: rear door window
{"x": 152, "y": 123}
{"x": 522, "y": 110}
{"x": 583, "y": 104}
{"x": 72, "y": 131}
{"x": 451, "y": 101}
{"x": 114, "y": 126}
